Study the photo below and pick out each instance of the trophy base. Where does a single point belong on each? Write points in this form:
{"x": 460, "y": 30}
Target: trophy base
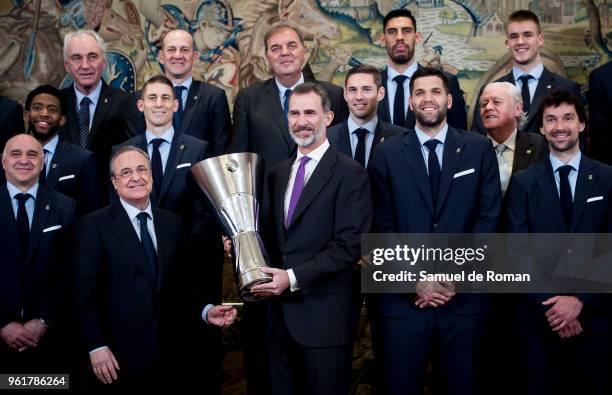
{"x": 249, "y": 279}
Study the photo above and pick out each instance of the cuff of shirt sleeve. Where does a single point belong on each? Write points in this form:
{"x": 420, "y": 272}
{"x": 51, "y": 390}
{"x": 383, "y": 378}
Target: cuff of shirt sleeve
{"x": 293, "y": 284}
{"x": 97, "y": 349}
{"x": 205, "y": 312}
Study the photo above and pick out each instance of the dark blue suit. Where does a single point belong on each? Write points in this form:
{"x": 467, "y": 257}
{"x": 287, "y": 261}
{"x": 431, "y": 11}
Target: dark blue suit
{"x": 534, "y": 207}
{"x": 600, "y": 102}
{"x": 403, "y": 204}
{"x": 11, "y": 120}
{"x": 33, "y": 286}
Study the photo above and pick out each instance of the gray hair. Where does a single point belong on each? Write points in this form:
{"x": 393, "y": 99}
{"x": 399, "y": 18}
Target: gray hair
{"x": 515, "y": 94}
{"x": 277, "y": 27}
{"x": 84, "y": 33}
{"x": 123, "y": 150}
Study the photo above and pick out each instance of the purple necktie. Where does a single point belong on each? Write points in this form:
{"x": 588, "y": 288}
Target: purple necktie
{"x": 298, "y": 185}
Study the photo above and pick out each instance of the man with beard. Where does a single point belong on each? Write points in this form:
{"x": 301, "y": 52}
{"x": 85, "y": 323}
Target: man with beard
{"x": 68, "y": 168}
{"x": 432, "y": 179}
{"x": 362, "y": 131}
{"x": 401, "y": 36}
{"x": 524, "y": 38}
{"x": 314, "y": 296}
{"x": 566, "y": 337}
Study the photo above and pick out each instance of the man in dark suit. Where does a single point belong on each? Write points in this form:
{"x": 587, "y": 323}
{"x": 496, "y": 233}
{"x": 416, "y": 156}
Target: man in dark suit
{"x": 97, "y": 112}
{"x": 36, "y": 227}
{"x": 203, "y": 109}
{"x": 434, "y": 179}
{"x": 314, "y": 302}
{"x": 401, "y": 36}
{"x": 172, "y": 155}
{"x": 566, "y": 337}
{"x": 524, "y": 38}
{"x": 260, "y": 111}
{"x": 11, "y": 119}
{"x": 600, "y": 102}
{"x": 68, "y": 168}
{"x": 362, "y": 131}
{"x": 132, "y": 286}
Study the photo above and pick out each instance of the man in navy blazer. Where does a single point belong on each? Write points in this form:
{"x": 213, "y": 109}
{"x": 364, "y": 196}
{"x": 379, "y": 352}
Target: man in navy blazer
{"x": 11, "y": 119}
{"x": 524, "y": 38}
{"x": 35, "y": 262}
{"x": 401, "y": 36}
{"x": 566, "y": 337}
{"x": 433, "y": 179}
{"x": 68, "y": 168}
{"x": 361, "y": 133}
{"x": 320, "y": 205}
{"x": 203, "y": 109}
{"x": 600, "y": 102}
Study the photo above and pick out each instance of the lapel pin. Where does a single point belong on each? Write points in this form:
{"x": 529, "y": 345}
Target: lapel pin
{"x": 182, "y": 146}
{"x": 382, "y": 139}
{"x": 458, "y": 150}
{"x": 548, "y": 86}
{"x": 105, "y": 100}
{"x": 54, "y": 165}
{"x": 195, "y": 98}
{"x": 47, "y": 207}
{"x": 590, "y": 176}
{"x": 528, "y": 152}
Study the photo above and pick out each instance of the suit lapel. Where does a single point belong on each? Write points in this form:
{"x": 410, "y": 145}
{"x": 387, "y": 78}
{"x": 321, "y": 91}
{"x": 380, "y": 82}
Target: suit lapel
{"x": 416, "y": 164}
{"x": 523, "y": 152}
{"x": 453, "y": 149}
{"x": 42, "y": 208}
{"x": 379, "y": 136}
{"x": 128, "y": 239}
{"x": 104, "y": 104}
{"x": 548, "y": 187}
{"x": 280, "y": 189}
{"x": 587, "y": 177}
{"x": 190, "y": 105}
{"x": 72, "y": 119}
{"x": 344, "y": 140}
{"x": 545, "y": 84}
{"x": 177, "y": 148}
{"x": 273, "y": 101}
{"x": 164, "y": 254}
{"x": 8, "y": 215}
{"x": 384, "y": 103}
{"x": 58, "y": 162}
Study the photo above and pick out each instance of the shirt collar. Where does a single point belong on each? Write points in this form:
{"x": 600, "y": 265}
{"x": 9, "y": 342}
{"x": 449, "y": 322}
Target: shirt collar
{"x": 187, "y": 83}
{"x": 424, "y": 137}
{"x": 133, "y": 212}
{"x": 510, "y": 142}
{"x": 316, "y": 154}
{"x": 536, "y": 72}
{"x": 167, "y": 136}
{"x": 51, "y": 146}
{"x": 282, "y": 88}
{"x": 370, "y": 126}
{"x": 93, "y": 96}
{"x": 392, "y": 73}
{"x": 13, "y": 190}
{"x": 574, "y": 162}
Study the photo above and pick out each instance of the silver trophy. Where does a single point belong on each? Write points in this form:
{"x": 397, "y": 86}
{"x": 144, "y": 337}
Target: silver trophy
{"x": 231, "y": 183}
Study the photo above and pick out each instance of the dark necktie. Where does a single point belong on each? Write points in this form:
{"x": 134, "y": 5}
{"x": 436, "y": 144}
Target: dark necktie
{"x": 399, "y": 116}
{"x": 565, "y": 194}
{"x": 42, "y": 178}
{"x": 156, "y": 165}
{"x": 525, "y": 91}
{"x": 360, "y": 150}
{"x": 83, "y": 116}
{"x": 147, "y": 244}
{"x": 177, "y": 117}
{"x": 433, "y": 168}
{"x": 23, "y": 222}
{"x": 286, "y": 105}
{"x": 298, "y": 185}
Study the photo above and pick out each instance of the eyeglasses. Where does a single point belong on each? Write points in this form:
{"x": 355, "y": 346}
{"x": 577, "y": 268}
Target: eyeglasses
{"x": 129, "y": 173}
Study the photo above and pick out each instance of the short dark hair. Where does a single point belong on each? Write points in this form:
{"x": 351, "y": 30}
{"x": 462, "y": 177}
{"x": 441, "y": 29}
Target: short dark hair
{"x": 158, "y": 79}
{"x": 277, "y": 27}
{"x": 429, "y": 72}
{"x": 365, "y": 69}
{"x": 313, "y": 87}
{"x": 522, "y": 16}
{"x": 49, "y": 90}
{"x": 398, "y": 13}
{"x": 558, "y": 97}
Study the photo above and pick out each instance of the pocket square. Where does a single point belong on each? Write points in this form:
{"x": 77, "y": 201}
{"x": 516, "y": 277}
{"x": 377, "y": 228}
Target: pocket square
{"x": 66, "y": 177}
{"x": 464, "y": 172}
{"x": 183, "y": 165}
{"x": 52, "y": 228}
{"x": 594, "y": 199}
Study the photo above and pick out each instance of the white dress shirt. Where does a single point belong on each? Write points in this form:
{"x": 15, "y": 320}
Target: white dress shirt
{"x": 572, "y": 177}
{"x": 392, "y": 85}
{"x": 370, "y": 126}
{"x": 30, "y": 203}
{"x": 164, "y": 148}
{"x": 536, "y": 73}
{"x": 423, "y": 138}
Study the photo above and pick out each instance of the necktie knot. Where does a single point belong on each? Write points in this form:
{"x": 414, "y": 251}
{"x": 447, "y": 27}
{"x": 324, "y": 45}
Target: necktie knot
{"x": 565, "y": 170}
{"x": 361, "y": 133}
{"x": 304, "y": 160}
{"x": 399, "y": 79}
{"x": 156, "y": 143}
{"x": 178, "y": 91}
{"x": 142, "y": 218}
{"x": 432, "y": 144}
{"x": 86, "y": 101}
{"x": 525, "y": 78}
{"x": 500, "y": 149}
{"x": 22, "y": 198}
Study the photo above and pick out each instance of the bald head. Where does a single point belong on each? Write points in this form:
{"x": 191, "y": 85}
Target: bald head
{"x": 178, "y": 55}
{"x": 22, "y": 161}
{"x": 501, "y": 109}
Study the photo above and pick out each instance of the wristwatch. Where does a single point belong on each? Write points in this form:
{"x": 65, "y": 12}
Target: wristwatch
{"x": 43, "y": 323}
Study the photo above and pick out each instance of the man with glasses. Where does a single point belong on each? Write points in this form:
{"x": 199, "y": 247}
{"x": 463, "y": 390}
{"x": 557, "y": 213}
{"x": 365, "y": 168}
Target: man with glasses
{"x": 133, "y": 288}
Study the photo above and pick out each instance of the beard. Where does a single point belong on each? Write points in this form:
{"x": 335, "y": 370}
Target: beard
{"x": 43, "y": 136}
{"x": 401, "y": 58}
{"x": 305, "y": 142}
{"x": 428, "y": 122}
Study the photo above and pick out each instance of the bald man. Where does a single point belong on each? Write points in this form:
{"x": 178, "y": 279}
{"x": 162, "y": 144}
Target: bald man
{"x": 36, "y": 223}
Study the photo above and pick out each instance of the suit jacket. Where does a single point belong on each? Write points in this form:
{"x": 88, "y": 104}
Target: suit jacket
{"x": 339, "y": 138}
{"x": 31, "y": 286}
{"x": 469, "y": 203}
{"x": 108, "y": 128}
{"x": 456, "y": 116}
{"x": 600, "y": 102}
{"x": 11, "y": 120}
{"x": 322, "y": 254}
{"x": 548, "y": 82}
{"x": 260, "y": 124}
{"x": 206, "y": 116}
{"x": 118, "y": 302}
